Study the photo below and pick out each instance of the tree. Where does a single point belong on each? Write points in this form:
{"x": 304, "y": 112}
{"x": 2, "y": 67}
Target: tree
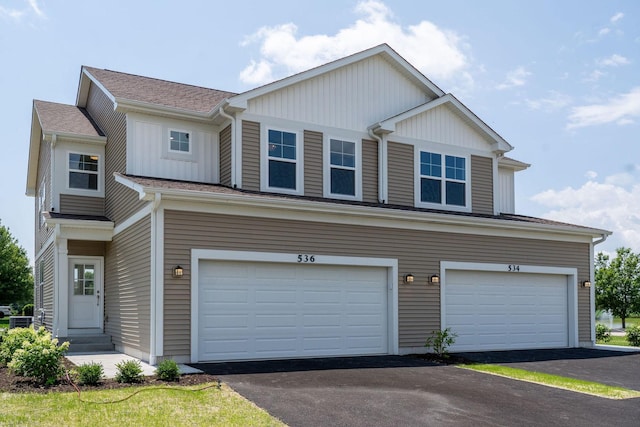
{"x": 16, "y": 280}
{"x": 618, "y": 283}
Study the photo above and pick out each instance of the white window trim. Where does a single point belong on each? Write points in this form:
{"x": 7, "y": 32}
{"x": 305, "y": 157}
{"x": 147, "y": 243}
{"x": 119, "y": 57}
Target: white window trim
{"x": 264, "y": 161}
{"x": 442, "y": 206}
{"x": 42, "y": 197}
{"x": 100, "y": 173}
{"x": 326, "y": 168}
{"x": 179, "y": 152}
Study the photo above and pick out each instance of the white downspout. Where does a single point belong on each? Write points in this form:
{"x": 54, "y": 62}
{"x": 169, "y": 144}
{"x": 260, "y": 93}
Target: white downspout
{"x": 52, "y": 178}
{"x": 381, "y": 166}
{"x": 592, "y": 291}
{"x": 156, "y": 313}
{"x": 234, "y": 181}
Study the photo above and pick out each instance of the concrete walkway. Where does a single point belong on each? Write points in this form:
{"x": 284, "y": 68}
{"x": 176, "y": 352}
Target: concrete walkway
{"x": 109, "y": 360}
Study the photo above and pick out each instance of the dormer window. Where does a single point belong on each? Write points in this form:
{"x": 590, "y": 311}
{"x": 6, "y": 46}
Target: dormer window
{"x": 179, "y": 141}
{"x": 83, "y": 171}
{"x": 442, "y": 181}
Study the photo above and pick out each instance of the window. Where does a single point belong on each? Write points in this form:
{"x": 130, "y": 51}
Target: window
{"x": 41, "y": 284}
{"x": 342, "y": 155}
{"x": 282, "y": 160}
{"x": 42, "y": 196}
{"x": 83, "y": 171}
{"x": 179, "y": 141}
{"x": 433, "y": 189}
{"x": 83, "y": 279}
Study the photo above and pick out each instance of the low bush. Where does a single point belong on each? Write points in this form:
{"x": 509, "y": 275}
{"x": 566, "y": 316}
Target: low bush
{"x": 90, "y": 373}
{"x": 603, "y": 333}
{"x": 168, "y": 370}
{"x": 440, "y": 341}
{"x": 40, "y": 359}
{"x": 14, "y": 339}
{"x": 633, "y": 335}
{"x": 27, "y": 310}
{"x": 129, "y": 371}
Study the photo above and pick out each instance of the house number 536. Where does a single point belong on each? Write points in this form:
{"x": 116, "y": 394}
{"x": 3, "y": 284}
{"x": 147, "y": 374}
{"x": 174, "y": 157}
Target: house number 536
{"x": 306, "y": 258}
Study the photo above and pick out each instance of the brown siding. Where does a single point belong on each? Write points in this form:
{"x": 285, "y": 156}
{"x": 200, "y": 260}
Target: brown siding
{"x": 120, "y": 202}
{"x": 127, "y": 287}
{"x": 369, "y": 171}
{"x": 401, "y": 177}
{"x": 313, "y": 164}
{"x": 419, "y": 305}
{"x": 225, "y": 156}
{"x": 250, "y": 155}
{"x": 42, "y": 232}
{"x": 481, "y": 185}
{"x": 47, "y": 289}
{"x": 85, "y": 248}
{"x": 81, "y": 205}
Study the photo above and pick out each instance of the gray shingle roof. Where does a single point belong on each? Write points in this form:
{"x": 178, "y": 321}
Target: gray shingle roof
{"x": 63, "y": 118}
{"x": 161, "y": 92}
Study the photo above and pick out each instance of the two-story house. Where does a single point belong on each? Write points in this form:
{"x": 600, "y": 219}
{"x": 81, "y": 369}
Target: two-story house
{"x": 350, "y": 209}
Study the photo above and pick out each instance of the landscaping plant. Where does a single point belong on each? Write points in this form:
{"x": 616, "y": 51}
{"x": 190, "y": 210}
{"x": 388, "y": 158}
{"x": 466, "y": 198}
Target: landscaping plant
{"x": 440, "y": 341}
{"x": 13, "y": 340}
{"x": 129, "y": 371}
{"x": 168, "y": 370}
{"x": 603, "y": 333}
{"x": 633, "y": 335}
{"x": 40, "y": 359}
{"x": 90, "y": 373}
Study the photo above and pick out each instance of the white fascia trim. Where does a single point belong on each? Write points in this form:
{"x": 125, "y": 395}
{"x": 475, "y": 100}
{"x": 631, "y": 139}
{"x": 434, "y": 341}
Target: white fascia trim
{"x": 141, "y": 214}
{"x": 144, "y": 193}
{"x": 96, "y": 82}
{"x": 46, "y": 245}
{"x": 75, "y": 137}
{"x": 81, "y": 224}
{"x": 290, "y": 258}
{"x": 572, "y": 283}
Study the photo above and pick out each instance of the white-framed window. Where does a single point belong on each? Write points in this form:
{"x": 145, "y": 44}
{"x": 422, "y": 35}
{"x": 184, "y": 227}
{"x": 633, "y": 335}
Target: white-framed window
{"x": 84, "y": 171}
{"x": 282, "y": 166}
{"x": 342, "y": 168}
{"x": 179, "y": 141}
{"x": 42, "y": 197}
{"x": 41, "y": 284}
{"x": 443, "y": 181}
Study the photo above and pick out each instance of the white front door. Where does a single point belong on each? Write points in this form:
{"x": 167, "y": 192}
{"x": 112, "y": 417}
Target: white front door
{"x": 85, "y": 293}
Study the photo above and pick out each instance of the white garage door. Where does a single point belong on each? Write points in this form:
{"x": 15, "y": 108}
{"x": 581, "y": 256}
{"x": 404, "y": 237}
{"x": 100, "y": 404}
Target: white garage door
{"x": 500, "y": 311}
{"x": 275, "y": 310}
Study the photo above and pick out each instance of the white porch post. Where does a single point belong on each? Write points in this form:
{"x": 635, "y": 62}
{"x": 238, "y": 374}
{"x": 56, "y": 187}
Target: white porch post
{"x": 61, "y": 289}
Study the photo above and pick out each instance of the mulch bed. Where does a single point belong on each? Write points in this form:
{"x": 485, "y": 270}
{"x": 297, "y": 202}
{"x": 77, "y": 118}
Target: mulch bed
{"x": 14, "y": 384}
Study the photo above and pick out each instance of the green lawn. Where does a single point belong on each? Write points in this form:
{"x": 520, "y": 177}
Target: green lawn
{"x": 4, "y": 323}
{"x": 154, "y": 406}
{"x": 629, "y": 321}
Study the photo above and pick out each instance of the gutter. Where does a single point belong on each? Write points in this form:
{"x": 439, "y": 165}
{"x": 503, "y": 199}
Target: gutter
{"x": 382, "y": 162}
{"x": 234, "y": 144}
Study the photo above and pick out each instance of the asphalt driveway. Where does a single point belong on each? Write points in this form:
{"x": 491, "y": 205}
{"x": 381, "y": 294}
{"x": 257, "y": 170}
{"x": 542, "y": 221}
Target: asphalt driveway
{"x": 407, "y": 391}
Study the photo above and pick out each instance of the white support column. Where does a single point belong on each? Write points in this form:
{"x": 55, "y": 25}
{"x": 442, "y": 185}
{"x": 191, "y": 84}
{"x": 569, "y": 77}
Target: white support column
{"x": 61, "y": 289}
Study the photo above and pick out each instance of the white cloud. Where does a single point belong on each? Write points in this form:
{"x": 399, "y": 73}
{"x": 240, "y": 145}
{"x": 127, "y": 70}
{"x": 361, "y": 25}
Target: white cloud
{"x": 36, "y": 8}
{"x": 283, "y": 52}
{"x": 515, "y": 78}
{"x": 614, "y": 60}
{"x": 621, "y": 109}
{"x": 591, "y": 174}
{"x": 604, "y": 32}
{"x": 16, "y": 14}
{"x": 606, "y": 205}
{"x": 615, "y": 18}
{"x": 594, "y": 76}
{"x": 553, "y": 102}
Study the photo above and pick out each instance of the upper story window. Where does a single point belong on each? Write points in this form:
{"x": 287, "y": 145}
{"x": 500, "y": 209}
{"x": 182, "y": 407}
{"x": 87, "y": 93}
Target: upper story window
{"x": 282, "y": 160}
{"x": 179, "y": 141}
{"x": 83, "y": 171}
{"x": 342, "y": 155}
{"x": 442, "y": 181}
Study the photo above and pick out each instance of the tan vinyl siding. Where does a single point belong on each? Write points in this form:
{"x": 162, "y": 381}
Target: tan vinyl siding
{"x": 250, "y": 155}
{"x": 120, "y": 202}
{"x": 127, "y": 287}
{"x": 313, "y": 164}
{"x": 482, "y": 185}
{"x": 419, "y": 304}
{"x": 369, "y": 171}
{"x": 85, "y": 248}
{"x": 47, "y": 289}
{"x": 42, "y": 232}
{"x": 81, "y": 205}
{"x": 225, "y": 156}
{"x": 401, "y": 176}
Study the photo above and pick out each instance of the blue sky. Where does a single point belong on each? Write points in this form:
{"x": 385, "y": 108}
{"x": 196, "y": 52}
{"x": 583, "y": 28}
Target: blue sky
{"x": 559, "y": 80}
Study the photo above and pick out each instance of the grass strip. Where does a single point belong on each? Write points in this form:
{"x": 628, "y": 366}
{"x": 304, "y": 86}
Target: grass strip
{"x": 571, "y": 384}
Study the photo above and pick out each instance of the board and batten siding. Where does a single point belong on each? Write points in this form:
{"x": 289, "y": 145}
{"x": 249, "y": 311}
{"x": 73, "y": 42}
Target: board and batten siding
{"x": 419, "y": 304}
{"x": 250, "y": 155}
{"x": 482, "y": 185}
{"x": 313, "y": 170}
{"x": 81, "y": 205}
{"x": 47, "y": 289}
{"x": 127, "y": 287}
{"x": 350, "y": 97}
{"x": 225, "y": 156}
{"x": 506, "y": 188}
{"x": 42, "y": 232}
{"x": 401, "y": 176}
{"x": 369, "y": 171}
{"x": 120, "y": 202}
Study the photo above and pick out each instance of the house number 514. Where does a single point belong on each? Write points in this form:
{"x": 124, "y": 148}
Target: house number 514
{"x": 306, "y": 258}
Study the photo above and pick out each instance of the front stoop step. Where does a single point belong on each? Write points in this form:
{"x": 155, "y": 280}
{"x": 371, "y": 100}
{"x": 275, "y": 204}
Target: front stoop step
{"x": 89, "y": 343}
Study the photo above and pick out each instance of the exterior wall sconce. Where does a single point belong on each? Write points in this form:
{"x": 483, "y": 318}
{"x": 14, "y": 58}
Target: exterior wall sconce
{"x": 586, "y": 284}
{"x": 408, "y": 279}
{"x": 177, "y": 272}
{"x": 434, "y": 280}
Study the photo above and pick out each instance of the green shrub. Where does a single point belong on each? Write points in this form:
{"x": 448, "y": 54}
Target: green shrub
{"x": 14, "y": 339}
{"x": 40, "y": 359}
{"x": 440, "y": 341}
{"x": 603, "y": 333}
{"x": 90, "y": 373}
{"x": 129, "y": 371}
{"x": 168, "y": 370}
{"x": 27, "y": 310}
{"x": 633, "y": 335}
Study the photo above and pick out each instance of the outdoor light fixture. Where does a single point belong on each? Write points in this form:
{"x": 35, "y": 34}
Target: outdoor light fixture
{"x": 408, "y": 279}
{"x": 178, "y": 272}
{"x": 586, "y": 284}
{"x": 435, "y": 279}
